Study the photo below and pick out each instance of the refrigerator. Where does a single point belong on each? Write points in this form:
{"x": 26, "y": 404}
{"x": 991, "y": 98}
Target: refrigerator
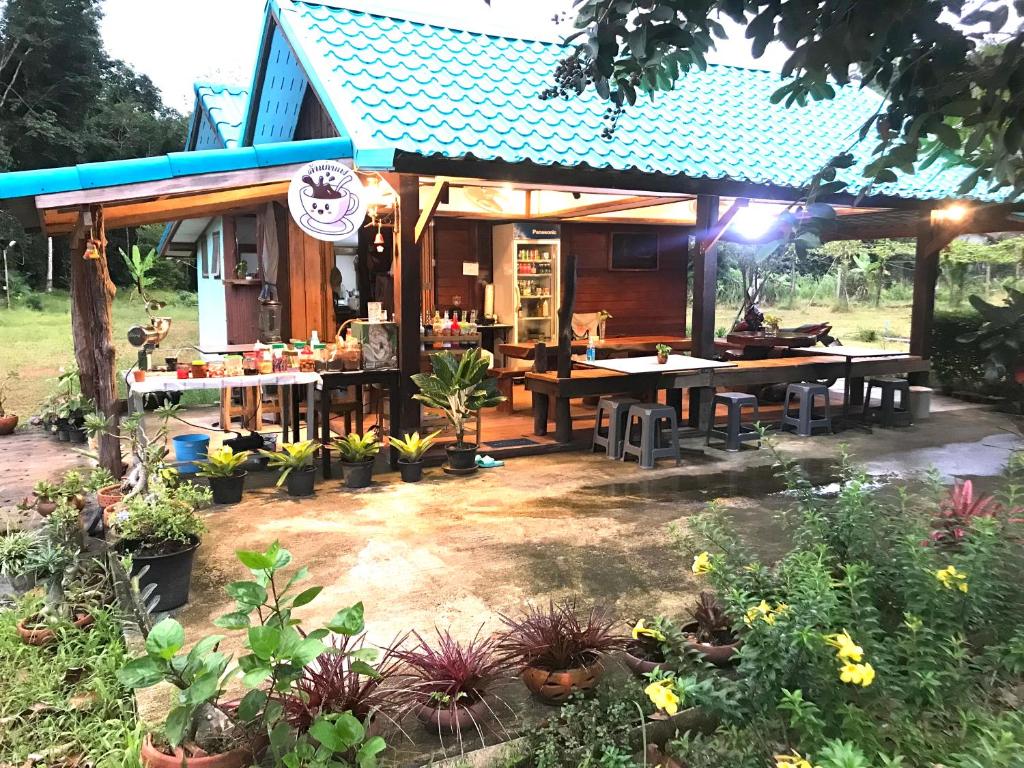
{"x": 526, "y": 279}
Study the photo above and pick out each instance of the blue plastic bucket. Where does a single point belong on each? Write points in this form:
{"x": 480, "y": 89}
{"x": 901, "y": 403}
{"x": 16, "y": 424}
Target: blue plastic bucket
{"x": 188, "y": 448}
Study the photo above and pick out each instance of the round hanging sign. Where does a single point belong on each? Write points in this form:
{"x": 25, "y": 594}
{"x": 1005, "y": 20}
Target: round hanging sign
{"x": 327, "y": 201}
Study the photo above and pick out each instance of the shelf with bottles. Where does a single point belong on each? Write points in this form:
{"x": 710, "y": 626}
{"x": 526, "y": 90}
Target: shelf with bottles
{"x": 535, "y": 254}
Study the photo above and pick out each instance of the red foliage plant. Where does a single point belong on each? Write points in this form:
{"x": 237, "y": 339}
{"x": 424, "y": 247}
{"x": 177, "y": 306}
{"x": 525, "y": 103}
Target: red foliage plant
{"x": 958, "y": 512}
{"x": 449, "y": 674}
{"x": 560, "y": 636}
{"x": 330, "y": 685}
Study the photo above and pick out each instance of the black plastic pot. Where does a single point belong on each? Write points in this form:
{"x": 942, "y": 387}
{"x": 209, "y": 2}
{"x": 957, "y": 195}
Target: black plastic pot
{"x": 300, "y": 482}
{"x": 77, "y": 435}
{"x": 461, "y": 456}
{"x": 228, "y": 490}
{"x": 358, "y": 474}
{"x": 63, "y": 428}
{"x": 171, "y": 573}
{"x": 411, "y": 471}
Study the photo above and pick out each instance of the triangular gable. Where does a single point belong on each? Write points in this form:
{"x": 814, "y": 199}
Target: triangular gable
{"x": 217, "y": 118}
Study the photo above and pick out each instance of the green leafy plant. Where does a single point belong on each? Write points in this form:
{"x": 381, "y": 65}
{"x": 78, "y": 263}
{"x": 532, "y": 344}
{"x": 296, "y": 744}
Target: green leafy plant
{"x": 16, "y": 552}
{"x": 160, "y": 523}
{"x": 5, "y": 385}
{"x": 1000, "y": 335}
{"x": 275, "y": 654}
{"x": 356, "y": 449}
{"x": 412, "y": 447}
{"x": 99, "y": 478}
{"x": 222, "y": 462}
{"x": 46, "y": 491}
{"x": 459, "y": 387}
{"x": 293, "y": 457}
{"x": 663, "y": 350}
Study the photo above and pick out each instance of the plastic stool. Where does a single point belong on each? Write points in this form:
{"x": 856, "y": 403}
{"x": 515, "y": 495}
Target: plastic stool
{"x": 887, "y": 414}
{"x": 920, "y": 402}
{"x": 734, "y": 433}
{"x": 610, "y": 437}
{"x": 648, "y": 450}
{"x": 805, "y": 422}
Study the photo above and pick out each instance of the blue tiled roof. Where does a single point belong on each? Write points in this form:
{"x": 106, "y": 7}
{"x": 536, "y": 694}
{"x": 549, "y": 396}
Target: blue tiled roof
{"x": 226, "y": 106}
{"x": 437, "y": 91}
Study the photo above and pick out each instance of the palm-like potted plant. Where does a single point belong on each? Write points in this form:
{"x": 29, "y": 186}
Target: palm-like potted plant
{"x": 223, "y": 468}
{"x": 8, "y": 421}
{"x": 47, "y": 494}
{"x": 17, "y": 551}
{"x": 105, "y": 486}
{"x": 560, "y": 648}
{"x": 296, "y": 463}
{"x": 459, "y": 387}
{"x": 411, "y": 449}
{"x": 447, "y": 683}
{"x": 357, "y": 453}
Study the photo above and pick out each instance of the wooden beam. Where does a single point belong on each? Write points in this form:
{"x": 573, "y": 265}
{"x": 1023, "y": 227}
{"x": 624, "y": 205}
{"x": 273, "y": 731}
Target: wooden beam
{"x": 705, "y": 286}
{"x": 711, "y": 238}
{"x": 611, "y": 206}
{"x": 193, "y": 206}
{"x": 408, "y": 278}
{"x": 438, "y": 195}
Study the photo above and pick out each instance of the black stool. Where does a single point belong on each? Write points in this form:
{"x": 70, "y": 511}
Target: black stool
{"x": 734, "y": 433}
{"x": 887, "y": 414}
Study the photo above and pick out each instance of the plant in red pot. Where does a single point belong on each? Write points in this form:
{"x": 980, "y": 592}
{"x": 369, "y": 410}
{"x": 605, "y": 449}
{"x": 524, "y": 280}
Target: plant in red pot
{"x": 560, "y": 647}
{"x": 105, "y": 487}
{"x": 8, "y": 421}
{"x": 47, "y": 495}
{"x": 448, "y": 684}
{"x": 711, "y": 633}
{"x": 653, "y": 641}
{"x": 202, "y": 730}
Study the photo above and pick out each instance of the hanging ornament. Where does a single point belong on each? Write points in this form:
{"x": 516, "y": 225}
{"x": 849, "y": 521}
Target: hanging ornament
{"x": 92, "y": 250}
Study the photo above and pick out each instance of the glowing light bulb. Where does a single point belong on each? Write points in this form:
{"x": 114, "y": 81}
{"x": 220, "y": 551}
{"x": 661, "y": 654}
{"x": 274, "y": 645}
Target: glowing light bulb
{"x": 752, "y": 223}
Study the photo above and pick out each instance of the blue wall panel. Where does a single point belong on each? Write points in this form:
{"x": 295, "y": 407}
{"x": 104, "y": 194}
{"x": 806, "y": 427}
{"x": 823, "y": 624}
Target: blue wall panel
{"x": 284, "y": 86}
{"x": 208, "y": 137}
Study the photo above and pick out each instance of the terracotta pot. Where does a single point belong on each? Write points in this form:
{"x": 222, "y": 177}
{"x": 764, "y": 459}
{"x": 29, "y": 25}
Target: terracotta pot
{"x": 139, "y": 374}
{"x": 719, "y": 655}
{"x": 40, "y": 636}
{"x": 154, "y": 758}
{"x": 662, "y": 359}
{"x": 7, "y": 424}
{"x": 109, "y": 495}
{"x": 45, "y": 507}
{"x": 556, "y": 687}
{"x": 452, "y": 720}
{"x": 636, "y": 662}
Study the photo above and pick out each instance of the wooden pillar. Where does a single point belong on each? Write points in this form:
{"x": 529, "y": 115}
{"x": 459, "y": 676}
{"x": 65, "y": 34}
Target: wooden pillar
{"x": 305, "y": 277}
{"x": 930, "y": 243}
{"x": 705, "y": 287}
{"x": 92, "y": 324}
{"x": 408, "y": 274}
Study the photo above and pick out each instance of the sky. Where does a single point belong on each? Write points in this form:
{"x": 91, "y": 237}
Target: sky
{"x": 177, "y": 42}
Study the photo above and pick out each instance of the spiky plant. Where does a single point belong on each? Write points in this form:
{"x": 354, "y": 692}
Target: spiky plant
{"x": 293, "y": 457}
{"x": 713, "y": 623}
{"x": 561, "y": 636}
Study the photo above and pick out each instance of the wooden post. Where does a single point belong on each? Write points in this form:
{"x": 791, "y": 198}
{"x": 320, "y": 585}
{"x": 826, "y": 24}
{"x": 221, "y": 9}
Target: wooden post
{"x": 92, "y": 323}
{"x": 930, "y": 242}
{"x": 408, "y": 274}
{"x": 563, "y": 415}
{"x": 705, "y": 286}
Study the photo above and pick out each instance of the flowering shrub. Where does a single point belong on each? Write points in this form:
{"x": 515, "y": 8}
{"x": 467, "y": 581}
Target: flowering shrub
{"x": 861, "y": 647}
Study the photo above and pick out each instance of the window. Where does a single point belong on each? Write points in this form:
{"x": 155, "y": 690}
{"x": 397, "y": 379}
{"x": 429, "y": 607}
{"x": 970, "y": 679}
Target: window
{"x": 634, "y": 251}
{"x": 215, "y": 266}
{"x": 204, "y": 267}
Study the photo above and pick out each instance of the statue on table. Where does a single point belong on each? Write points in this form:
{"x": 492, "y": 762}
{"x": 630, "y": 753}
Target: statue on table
{"x": 754, "y": 319}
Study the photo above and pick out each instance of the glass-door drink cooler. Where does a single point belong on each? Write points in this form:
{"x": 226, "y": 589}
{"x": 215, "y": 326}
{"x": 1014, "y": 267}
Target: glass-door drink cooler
{"x": 526, "y": 274}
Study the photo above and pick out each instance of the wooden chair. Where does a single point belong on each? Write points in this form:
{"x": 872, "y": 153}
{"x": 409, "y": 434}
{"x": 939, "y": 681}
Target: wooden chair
{"x": 249, "y": 410}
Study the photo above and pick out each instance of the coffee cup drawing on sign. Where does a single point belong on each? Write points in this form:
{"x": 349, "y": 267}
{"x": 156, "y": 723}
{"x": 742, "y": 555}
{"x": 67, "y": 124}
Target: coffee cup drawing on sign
{"x": 328, "y": 203}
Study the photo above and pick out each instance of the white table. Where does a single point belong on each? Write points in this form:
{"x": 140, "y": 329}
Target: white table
{"x": 650, "y": 364}
{"x": 850, "y": 354}
{"x": 164, "y": 382}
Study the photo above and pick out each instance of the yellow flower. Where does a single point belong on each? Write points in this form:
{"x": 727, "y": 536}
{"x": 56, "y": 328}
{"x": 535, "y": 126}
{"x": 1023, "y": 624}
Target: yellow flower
{"x": 795, "y": 760}
{"x": 702, "y": 563}
{"x": 846, "y": 649}
{"x": 857, "y": 674}
{"x": 662, "y": 694}
{"x": 641, "y": 631}
{"x": 764, "y": 612}
{"x": 951, "y": 578}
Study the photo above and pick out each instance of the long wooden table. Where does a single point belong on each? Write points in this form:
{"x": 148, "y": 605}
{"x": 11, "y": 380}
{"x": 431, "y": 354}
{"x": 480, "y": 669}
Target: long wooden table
{"x": 590, "y": 382}
{"x": 640, "y": 345}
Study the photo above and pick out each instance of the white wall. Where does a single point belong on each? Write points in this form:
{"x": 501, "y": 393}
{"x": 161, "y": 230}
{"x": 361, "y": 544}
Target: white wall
{"x": 213, "y": 319}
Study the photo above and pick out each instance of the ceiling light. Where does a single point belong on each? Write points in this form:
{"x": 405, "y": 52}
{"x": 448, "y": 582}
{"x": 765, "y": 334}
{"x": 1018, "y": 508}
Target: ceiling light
{"x": 753, "y": 222}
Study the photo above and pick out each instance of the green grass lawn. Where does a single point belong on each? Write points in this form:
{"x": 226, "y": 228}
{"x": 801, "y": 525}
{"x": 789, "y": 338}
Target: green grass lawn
{"x": 851, "y": 327}
{"x": 37, "y": 344}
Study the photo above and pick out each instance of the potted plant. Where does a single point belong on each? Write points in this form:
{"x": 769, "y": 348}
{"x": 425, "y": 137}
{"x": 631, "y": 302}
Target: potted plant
{"x": 459, "y": 387}
{"x": 653, "y": 641}
{"x": 296, "y": 464}
{"x": 223, "y": 468}
{"x": 162, "y": 531}
{"x": 663, "y": 351}
{"x": 72, "y": 488}
{"x": 710, "y": 634}
{"x": 771, "y": 323}
{"x": 447, "y": 684}
{"x": 47, "y": 495}
{"x": 105, "y": 486}
{"x": 17, "y": 550}
{"x": 202, "y": 730}
{"x": 357, "y": 453}
{"x": 411, "y": 449}
{"x": 8, "y": 421}
{"x": 560, "y": 648}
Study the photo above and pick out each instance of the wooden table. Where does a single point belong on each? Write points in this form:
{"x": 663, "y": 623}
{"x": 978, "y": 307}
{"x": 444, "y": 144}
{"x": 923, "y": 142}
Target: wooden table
{"x": 675, "y": 364}
{"x": 525, "y": 350}
{"x": 388, "y": 378}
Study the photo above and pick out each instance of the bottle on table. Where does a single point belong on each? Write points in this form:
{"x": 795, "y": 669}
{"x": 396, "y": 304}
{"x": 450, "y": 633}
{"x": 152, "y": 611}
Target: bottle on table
{"x": 591, "y": 348}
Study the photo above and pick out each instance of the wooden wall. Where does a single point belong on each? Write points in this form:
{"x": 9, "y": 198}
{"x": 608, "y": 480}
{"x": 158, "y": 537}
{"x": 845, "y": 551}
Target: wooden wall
{"x": 313, "y": 121}
{"x": 304, "y": 285}
{"x": 641, "y": 303}
{"x": 241, "y": 305}
{"x": 456, "y": 241}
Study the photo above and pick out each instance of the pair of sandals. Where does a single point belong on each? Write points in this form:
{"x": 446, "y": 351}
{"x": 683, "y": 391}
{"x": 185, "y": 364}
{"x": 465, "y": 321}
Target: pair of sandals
{"x": 488, "y": 462}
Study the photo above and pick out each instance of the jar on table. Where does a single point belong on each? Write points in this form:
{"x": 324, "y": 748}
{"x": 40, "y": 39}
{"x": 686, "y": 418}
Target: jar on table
{"x": 233, "y": 365}
{"x": 184, "y": 370}
{"x": 277, "y": 364}
{"x": 215, "y": 369}
{"x": 266, "y": 361}
{"x": 199, "y": 368}
{"x": 291, "y": 360}
{"x": 251, "y": 364}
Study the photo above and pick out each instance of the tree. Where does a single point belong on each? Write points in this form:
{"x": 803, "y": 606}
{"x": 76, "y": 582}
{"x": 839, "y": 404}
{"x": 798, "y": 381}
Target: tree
{"x": 952, "y": 71}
